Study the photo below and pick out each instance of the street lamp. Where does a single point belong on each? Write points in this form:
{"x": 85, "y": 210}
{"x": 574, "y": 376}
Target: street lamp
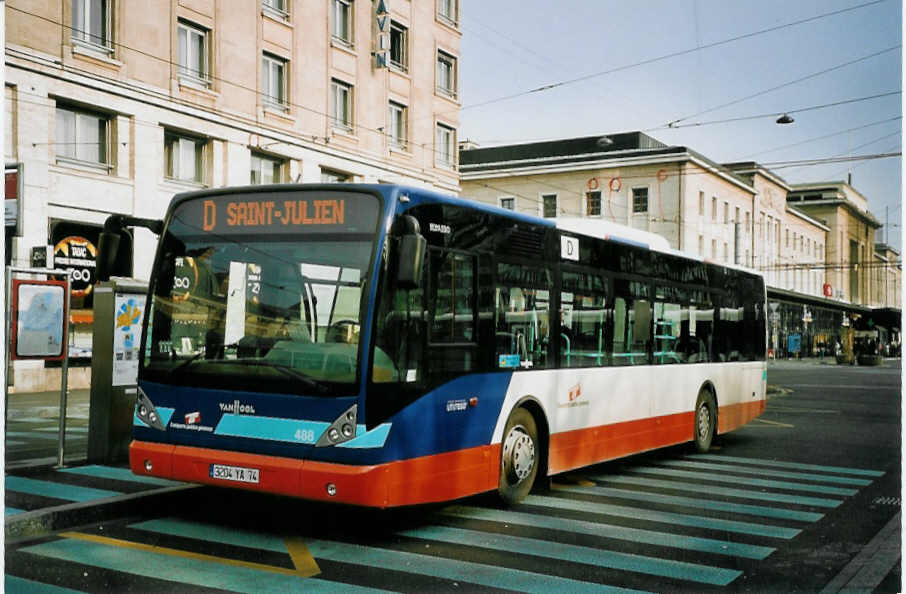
{"x": 785, "y": 119}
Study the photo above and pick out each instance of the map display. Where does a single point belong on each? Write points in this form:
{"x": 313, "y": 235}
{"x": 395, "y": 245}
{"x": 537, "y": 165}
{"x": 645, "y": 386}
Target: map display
{"x": 38, "y": 307}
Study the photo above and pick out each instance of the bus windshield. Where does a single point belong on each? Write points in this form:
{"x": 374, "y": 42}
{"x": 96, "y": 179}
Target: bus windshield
{"x": 263, "y": 291}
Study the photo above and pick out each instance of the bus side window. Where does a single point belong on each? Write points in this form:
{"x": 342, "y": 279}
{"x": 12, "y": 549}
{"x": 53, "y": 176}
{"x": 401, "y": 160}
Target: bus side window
{"x": 452, "y": 346}
{"x": 522, "y": 328}
{"x": 632, "y": 321}
{"x": 672, "y": 343}
{"x": 399, "y": 336}
{"x": 583, "y": 320}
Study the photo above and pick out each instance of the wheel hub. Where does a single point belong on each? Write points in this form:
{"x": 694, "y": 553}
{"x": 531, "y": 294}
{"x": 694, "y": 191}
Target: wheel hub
{"x": 518, "y": 455}
{"x": 704, "y": 421}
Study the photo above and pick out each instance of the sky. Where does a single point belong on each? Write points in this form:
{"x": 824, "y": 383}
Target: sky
{"x": 642, "y": 64}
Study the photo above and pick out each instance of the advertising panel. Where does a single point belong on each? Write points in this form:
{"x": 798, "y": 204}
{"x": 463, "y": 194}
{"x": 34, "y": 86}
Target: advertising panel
{"x": 38, "y": 319}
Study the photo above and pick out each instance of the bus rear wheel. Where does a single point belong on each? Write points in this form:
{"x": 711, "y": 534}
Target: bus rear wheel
{"x": 705, "y": 421}
{"x": 518, "y": 457}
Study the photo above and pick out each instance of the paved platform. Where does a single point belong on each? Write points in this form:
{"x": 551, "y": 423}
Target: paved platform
{"x": 45, "y": 500}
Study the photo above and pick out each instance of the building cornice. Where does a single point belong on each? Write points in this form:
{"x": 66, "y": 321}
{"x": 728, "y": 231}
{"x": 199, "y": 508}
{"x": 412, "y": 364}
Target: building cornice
{"x": 807, "y": 218}
{"x": 508, "y": 171}
{"x": 861, "y": 214}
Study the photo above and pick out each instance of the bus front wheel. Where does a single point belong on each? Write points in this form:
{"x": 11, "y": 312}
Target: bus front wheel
{"x": 705, "y": 421}
{"x": 518, "y": 457}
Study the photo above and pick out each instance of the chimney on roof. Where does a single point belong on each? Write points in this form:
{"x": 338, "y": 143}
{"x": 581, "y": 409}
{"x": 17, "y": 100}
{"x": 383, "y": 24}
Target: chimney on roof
{"x": 849, "y": 178}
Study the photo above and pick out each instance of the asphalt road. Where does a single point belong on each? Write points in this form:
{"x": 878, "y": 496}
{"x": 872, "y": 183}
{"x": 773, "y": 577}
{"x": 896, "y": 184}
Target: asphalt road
{"x": 794, "y": 501}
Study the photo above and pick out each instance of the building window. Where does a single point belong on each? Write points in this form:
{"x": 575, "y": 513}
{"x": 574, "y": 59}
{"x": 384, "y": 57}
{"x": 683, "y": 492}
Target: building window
{"x": 726, "y": 213}
{"x": 714, "y": 249}
{"x": 266, "y": 170}
{"x": 82, "y": 136}
{"x": 397, "y": 120}
{"x": 593, "y": 204}
{"x": 736, "y": 219}
{"x": 446, "y": 74}
{"x": 329, "y": 176}
{"x": 445, "y": 143}
{"x": 747, "y": 221}
{"x": 276, "y": 8}
{"x": 507, "y": 202}
{"x": 701, "y": 246}
{"x": 448, "y": 11}
{"x": 549, "y": 206}
{"x": 273, "y": 72}
{"x": 726, "y": 252}
{"x": 714, "y": 208}
{"x": 342, "y": 21}
{"x": 701, "y": 203}
{"x": 91, "y": 23}
{"x": 639, "y": 200}
{"x": 399, "y": 46}
{"x": 341, "y": 105}
{"x": 193, "y": 53}
{"x": 184, "y": 157}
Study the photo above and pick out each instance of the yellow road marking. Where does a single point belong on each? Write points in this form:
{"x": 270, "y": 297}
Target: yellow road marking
{"x": 116, "y": 542}
{"x": 305, "y": 564}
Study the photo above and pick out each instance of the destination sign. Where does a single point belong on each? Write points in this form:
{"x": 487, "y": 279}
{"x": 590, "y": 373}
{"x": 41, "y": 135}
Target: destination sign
{"x": 280, "y": 212}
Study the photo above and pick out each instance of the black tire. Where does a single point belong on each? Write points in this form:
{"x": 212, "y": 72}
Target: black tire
{"x": 705, "y": 421}
{"x": 519, "y": 457}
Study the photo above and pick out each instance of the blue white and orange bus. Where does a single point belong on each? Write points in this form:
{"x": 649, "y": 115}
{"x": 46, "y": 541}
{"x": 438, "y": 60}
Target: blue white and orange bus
{"x": 381, "y": 345}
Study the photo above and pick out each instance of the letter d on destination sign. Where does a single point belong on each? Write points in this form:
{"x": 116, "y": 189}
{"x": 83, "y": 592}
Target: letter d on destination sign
{"x": 569, "y": 248}
{"x": 210, "y": 215}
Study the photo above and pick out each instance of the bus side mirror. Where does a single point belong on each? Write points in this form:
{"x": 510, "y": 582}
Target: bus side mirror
{"x": 109, "y": 241}
{"x": 108, "y": 246}
{"x": 410, "y": 260}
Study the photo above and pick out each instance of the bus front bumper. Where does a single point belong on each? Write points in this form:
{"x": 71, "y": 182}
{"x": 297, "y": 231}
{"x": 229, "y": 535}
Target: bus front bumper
{"x": 426, "y": 479}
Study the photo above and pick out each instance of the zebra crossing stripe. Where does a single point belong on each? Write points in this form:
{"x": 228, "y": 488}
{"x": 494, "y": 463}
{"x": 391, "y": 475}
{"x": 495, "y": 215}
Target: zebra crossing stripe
{"x": 463, "y": 571}
{"x": 23, "y": 586}
{"x": 664, "y": 517}
{"x": 578, "y": 554}
{"x": 451, "y": 569}
{"x": 791, "y": 465}
{"x": 716, "y": 490}
{"x": 710, "y": 504}
{"x": 840, "y": 480}
{"x": 182, "y": 567}
{"x": 31, "y": 486}
{"x": 736, "y": 480}
{"x": 119, "y": 474}
{"x": 603, "y": 530}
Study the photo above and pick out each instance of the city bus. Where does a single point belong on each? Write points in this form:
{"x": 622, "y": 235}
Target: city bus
{"x": 381, "y": 345}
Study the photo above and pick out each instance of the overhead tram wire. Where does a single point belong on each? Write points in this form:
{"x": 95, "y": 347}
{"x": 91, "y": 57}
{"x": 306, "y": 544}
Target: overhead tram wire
{"x": 663, "y": 57}
{"x": 775, "y": 113}
{"x": 673, "y": 123}
{"x": 832, "y": 134}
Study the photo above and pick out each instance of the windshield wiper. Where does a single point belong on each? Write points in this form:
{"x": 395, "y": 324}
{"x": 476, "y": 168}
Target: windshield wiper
{"x": 308, "y": 382}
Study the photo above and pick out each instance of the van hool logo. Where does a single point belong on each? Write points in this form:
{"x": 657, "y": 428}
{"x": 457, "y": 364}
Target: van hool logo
{"x": 237, "y": 408}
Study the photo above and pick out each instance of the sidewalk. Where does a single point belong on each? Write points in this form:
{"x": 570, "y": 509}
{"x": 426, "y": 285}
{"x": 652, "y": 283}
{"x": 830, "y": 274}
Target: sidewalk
{"x": 41, "y": 501}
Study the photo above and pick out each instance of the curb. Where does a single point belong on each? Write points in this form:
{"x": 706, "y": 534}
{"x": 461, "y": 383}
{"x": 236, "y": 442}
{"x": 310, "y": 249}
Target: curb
{"x": 41, "y": 522}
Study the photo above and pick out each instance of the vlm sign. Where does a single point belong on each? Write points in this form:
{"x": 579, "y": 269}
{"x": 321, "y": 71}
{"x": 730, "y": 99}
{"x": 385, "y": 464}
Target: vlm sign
{"x": 382, "y": 34}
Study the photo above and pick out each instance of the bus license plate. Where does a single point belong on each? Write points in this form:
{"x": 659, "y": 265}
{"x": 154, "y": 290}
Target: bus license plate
{"x": 234, "y": 473}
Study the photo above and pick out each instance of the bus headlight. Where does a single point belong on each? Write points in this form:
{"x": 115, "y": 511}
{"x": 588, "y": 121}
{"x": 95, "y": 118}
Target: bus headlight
{"x": 342, "y": 429}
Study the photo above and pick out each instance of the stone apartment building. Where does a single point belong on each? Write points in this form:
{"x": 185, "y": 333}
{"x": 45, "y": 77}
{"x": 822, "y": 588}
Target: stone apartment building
{"x": 115, "y": 106}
